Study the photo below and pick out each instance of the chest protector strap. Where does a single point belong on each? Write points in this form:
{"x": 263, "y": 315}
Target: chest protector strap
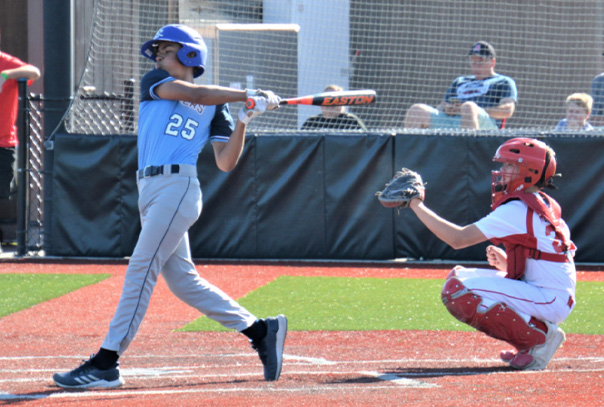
{"x": 524, "y": 246}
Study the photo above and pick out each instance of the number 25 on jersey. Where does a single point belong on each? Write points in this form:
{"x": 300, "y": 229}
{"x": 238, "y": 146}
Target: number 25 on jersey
{"x": 179, "y": 127}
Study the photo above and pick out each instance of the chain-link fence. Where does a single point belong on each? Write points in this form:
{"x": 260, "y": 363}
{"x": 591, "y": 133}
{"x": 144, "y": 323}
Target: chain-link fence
{"x": 35, "y": 172}
{"x": 409, "y": 52}
{"x": 30, "y": 172}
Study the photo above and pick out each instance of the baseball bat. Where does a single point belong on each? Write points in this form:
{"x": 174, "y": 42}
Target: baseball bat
{"x": 336, "y": 98}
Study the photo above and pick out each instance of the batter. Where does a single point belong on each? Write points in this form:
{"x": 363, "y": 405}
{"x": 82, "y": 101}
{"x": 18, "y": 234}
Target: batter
{"x": 176, "y": 120}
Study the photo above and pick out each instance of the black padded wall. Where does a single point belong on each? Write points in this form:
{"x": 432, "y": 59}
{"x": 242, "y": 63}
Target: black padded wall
{"x": 312, "y": 197}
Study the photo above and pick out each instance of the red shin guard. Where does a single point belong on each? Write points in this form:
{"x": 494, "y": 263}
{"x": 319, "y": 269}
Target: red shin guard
{"x": 499, "y": 321}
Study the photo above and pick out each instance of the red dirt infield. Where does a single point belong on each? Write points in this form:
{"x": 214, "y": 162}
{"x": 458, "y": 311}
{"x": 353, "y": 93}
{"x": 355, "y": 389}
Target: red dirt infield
{"x": 168, "y": 368}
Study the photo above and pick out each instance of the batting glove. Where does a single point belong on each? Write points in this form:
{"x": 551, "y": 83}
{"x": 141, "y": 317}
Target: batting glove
{"x": 258, "y": 106}
{"x": 273, "y": 100}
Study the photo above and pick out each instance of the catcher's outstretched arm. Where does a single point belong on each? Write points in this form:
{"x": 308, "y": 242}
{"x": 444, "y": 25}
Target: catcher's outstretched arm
{"x": 458, "y": 237}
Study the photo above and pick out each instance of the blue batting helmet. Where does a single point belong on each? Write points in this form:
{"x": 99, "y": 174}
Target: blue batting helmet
{"x": 193, "y": 51}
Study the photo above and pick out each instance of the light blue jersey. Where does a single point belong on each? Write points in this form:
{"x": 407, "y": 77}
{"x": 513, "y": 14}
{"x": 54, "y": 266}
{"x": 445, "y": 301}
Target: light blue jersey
{"x": 563, "y": 125}
{"x": 175, "y": 132}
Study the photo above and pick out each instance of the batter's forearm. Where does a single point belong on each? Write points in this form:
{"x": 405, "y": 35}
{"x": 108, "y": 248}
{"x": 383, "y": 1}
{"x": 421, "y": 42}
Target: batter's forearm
{"x": 216, "y": 95}
{"x": 208, "y": 95}
{"x": 227, "y": 154}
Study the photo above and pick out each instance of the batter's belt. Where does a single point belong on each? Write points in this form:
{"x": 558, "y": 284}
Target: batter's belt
{"x": 182, "y": 170}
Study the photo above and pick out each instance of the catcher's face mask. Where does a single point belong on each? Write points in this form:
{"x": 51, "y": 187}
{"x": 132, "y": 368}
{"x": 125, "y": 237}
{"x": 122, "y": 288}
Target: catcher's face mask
{"x": 529, "y": 156}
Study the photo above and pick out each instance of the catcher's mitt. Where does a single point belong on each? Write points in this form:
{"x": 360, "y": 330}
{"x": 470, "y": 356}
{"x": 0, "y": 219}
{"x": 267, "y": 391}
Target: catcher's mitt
{"x": 404, "y": 186}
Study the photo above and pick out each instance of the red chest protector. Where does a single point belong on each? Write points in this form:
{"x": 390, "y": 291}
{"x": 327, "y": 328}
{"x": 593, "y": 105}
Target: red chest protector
{"x": 524, "y": 246}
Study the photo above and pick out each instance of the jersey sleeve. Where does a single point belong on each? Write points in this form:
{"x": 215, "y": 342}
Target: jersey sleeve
{"x": 507, "y": 220}
{"x": 222, "y": 124}
{"x": 507, "y": 89}
{"x": 150, "y": 81}
{"x": 597, "y": 93}
{"x": 10, "y": 62}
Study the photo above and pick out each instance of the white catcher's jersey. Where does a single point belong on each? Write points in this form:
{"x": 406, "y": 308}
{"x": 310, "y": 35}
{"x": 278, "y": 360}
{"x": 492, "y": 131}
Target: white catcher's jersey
{"x": 510, "y": 219}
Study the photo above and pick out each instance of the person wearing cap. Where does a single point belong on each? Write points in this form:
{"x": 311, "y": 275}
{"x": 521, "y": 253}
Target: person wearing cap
{"x": 481, "y": 101}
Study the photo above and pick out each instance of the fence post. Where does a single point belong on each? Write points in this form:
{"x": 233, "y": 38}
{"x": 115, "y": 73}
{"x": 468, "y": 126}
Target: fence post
{"x": 128, "y": 106}
{"x": 58, "y": 90}
{"x": 22, "y": 167}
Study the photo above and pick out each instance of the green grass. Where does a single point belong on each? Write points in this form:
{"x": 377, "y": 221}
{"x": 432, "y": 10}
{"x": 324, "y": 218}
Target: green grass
{"x": 21, "y": 291}
{"x": 319, "y": 303}
{"x": 588, "y": 315}
{"x": 335, "y": 303}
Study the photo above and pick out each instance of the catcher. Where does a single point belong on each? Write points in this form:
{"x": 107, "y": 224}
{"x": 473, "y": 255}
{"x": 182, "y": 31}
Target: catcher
{"x": 531, "y": 289}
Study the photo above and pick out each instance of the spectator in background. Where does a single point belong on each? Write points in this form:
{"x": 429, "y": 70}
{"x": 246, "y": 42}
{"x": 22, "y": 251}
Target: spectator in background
{"x": 11, "y": 69}
{"x": 578, "y": 109}
{"x": 334, "y": 117}
{"x": 597, "y": 93}
{"x": 479, "y": 101}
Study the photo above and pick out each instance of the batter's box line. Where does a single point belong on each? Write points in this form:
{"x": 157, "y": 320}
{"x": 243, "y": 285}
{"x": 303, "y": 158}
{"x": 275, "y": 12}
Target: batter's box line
{"x": 402, "y": 378}
{"x": 121, "y": 393}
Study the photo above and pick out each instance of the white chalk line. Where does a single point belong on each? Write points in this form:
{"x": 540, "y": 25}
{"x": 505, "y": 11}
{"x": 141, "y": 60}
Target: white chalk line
{"x": 184, "y": 372}
{"x": 302, "y": 359}
{"x": 122, "y": 393}
{"x": 402, "y": 379}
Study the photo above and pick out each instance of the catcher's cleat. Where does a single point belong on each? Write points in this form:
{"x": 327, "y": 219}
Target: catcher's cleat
{"x": 517, "y": 360}
{"x": 538, "y": 357}
{"x": 507, "y": 355}
{"x": 270, "y": 348}
{"x": 88, "y": 376}
{"x": 544, "y": 353}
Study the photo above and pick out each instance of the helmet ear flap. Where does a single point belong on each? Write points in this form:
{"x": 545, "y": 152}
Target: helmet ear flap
{"x": 550, "y": 166}
{"x": 195, "y": 56}
{"x": 549, "y": 171}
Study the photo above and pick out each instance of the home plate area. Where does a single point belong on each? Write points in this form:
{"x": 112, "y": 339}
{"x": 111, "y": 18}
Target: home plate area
{"x": 367, "y": 367}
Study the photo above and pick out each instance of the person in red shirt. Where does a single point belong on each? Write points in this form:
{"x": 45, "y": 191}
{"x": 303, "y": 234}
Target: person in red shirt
{"x": 11, "y": 69}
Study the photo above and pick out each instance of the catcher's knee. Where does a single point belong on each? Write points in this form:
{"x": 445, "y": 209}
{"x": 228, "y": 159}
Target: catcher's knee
{"x": 453, "y": 272}
{"x": 460, "y": 301}
{"x": 498, "y": 321}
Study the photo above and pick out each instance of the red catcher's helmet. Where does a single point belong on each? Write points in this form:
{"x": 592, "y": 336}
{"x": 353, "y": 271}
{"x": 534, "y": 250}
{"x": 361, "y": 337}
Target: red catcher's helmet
{"x": 534, "y": 165}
